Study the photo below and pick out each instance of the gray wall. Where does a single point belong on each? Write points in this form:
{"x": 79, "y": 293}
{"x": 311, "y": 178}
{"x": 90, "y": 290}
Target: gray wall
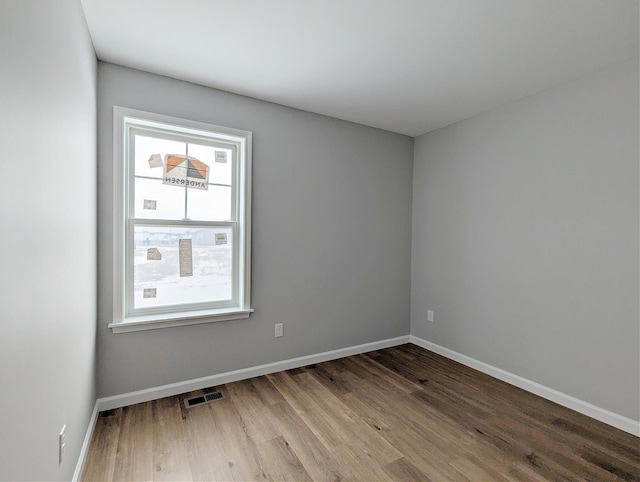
{"x": 525, "y": 238}
{"x": 331, "y": 237}
{"x": 48, "y": 247}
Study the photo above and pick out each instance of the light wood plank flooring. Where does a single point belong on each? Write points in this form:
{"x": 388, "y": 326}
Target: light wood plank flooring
{"x": 402, "y": 413}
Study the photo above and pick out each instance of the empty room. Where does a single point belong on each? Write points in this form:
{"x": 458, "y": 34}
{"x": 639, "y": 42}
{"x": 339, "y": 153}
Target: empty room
{"x": 320, "y": 240}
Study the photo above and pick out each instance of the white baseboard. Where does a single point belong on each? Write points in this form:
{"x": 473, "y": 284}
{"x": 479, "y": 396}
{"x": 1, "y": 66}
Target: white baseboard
{"x": 610, "y": 418}
{"x": 154, "y": 393}
{"x": 85, "y": 444}
{"x": 117, "y": 401}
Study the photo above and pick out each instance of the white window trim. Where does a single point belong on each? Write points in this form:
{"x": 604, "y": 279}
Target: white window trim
{"x": 121, "y": 322}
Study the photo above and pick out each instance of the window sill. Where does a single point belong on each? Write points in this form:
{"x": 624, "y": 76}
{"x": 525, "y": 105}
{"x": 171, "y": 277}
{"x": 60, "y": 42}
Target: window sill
{"x": 153, "y": 322}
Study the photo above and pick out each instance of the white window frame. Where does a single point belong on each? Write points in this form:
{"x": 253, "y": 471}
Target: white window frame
{"x": 125, "y": 319}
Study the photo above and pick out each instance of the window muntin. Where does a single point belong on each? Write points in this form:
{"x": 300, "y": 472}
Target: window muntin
{"x": 216, "y": 203}
{"x": 156, "y": 276}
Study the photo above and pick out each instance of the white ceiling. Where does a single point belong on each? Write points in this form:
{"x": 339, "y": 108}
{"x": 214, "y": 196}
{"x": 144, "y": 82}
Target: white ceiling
{"x": 408, "y": 66}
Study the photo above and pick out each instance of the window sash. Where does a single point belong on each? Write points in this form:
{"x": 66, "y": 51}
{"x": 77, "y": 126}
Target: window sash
{"x": 130, "y": 309}
{"x": 159, "y": 133}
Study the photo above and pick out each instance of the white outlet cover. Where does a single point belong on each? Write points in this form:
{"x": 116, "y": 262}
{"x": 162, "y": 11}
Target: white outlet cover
{"x": 430, "y": 315}
{"x": 61, "y": 443}
{"x": 279, "y": 330}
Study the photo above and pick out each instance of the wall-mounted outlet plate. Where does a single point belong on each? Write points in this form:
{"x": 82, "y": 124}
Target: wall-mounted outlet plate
{"x": 62, "y": 443}
{"x": 430, "y": 316}
{"x": 279, "y": 330}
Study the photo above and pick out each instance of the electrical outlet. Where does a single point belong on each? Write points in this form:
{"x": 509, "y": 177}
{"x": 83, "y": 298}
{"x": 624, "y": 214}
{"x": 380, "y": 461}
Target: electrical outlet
{"x": 430, "y": 316}
{"x": 62, "y": 443}
{"x": 279, "y": 330}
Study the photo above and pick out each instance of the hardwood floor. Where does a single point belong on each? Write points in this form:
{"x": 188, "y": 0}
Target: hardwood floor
{"x": 402, "y": 413}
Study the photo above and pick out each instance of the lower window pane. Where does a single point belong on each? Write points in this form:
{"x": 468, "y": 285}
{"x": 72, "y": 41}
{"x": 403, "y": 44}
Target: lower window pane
{"x": 178, "y": 265}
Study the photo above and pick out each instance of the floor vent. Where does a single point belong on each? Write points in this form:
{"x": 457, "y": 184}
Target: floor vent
{"x": 206, "y": 398}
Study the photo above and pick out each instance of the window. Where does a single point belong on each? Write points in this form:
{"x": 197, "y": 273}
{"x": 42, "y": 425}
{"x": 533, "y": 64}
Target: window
{"x": 182, "y": 194}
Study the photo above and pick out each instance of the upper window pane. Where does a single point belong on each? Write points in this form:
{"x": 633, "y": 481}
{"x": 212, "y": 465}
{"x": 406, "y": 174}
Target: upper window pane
{"x": 154, "y": 200}
{"x": 146, "y": 146}
{"x": 211, "y": 205}
{"x": 219, "y": 160}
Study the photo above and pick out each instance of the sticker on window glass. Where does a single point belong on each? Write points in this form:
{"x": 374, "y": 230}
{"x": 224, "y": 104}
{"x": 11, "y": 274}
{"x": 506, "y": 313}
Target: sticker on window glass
{"x": 149, "y": 293}
{"x": 149, "y": 204}
{"x": 186, "y": 257}
{"x": 221, "y": 238}
{"x": 155, "y": 160}
{"x": 221, "y": 156}
{"x": 153, "y": 254}
{"x": 185, "y": 171}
